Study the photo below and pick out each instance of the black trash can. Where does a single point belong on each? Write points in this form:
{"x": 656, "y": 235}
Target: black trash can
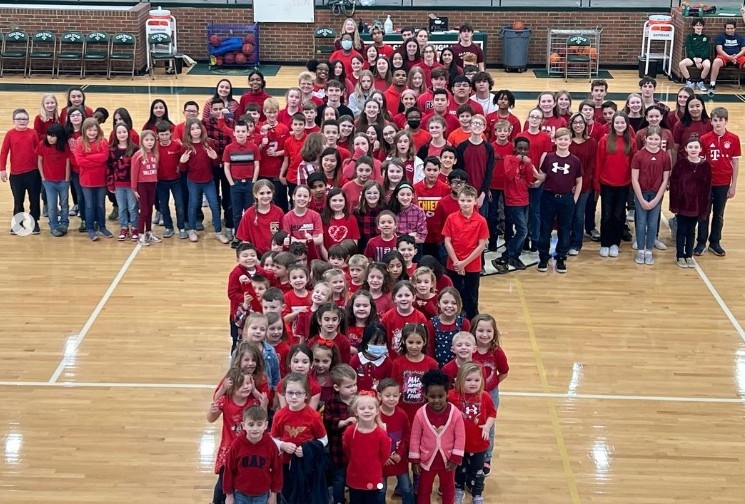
{"x": 654, "y": 67}
{"x": 515, "y": 44}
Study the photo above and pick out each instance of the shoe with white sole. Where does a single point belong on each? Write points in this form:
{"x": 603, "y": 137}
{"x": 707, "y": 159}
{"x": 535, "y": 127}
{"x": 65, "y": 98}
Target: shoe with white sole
{"x": 639, "y": 257}
{"x": 659, "y": 244}
{"x": 613, "y": 252}
{"x": 648, "y": 258}
{"x": 193, "y": 236}
{"x": 681, "y": 262}
{"x": 604, "y": 251}
{"x": 152, "y": 237}
{"x": 222, "y": 238}
{"x": 573, "y": 252}
{"x": 690, "y": 262}
{"x": 143, "y": 240}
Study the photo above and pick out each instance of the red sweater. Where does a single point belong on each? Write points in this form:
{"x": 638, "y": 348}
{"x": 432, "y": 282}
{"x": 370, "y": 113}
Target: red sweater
{"x": 199, "y": 165}
{"x": 586, "y": 153}
{"x": 370, "y": 372}
{"x": 253, "y": 468}
{"x": 613, "y": 169}
{"x": 93, "y": 163}
{"x": 366, "y": 452}
{"x": 518, "y": 177}
{"x": 690, "y": 188}
{"x": 21, "y": 145}
{"x": 235, "y": 289}
{"x": 144, "y": 169}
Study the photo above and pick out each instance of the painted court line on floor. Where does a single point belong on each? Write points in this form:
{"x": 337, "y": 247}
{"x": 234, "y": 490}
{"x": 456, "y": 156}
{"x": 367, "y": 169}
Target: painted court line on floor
{"x": 71, "y": 347}
{"x": 545, "y": 395}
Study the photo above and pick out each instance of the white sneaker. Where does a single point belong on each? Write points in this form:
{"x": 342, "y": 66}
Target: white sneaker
{"x": 648, "y": 259}
{"x": 659, "y": 244}
{"x": 690, "y": 84}
{"x": 681, "y": 262}
{"x": 639, "y": 257}
{"x": 613, "y": 252}
{"x": 573, "y": 252}
{"x": 153, "y": 237}
{"x": 634, "y": 245}
{"x": 459, "y": 495}
{"x": 690, "y": 262}
{"x": 142, "y": 240}
{"x": 222, "y": 238}
{"x": 630, "y": 216}
{"x": 604, "y": 251}
{"x": 193, "y": 236}
{"x": 701, "y": 86}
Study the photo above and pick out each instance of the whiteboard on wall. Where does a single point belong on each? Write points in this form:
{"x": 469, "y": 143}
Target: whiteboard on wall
{"x": 284, "y": 11}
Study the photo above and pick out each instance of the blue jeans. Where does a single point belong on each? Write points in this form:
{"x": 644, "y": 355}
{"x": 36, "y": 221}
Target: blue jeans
{"x": 241, "y": 498}
{"x": 75, "y": 182}
{"x": 518, "y": 217}
{"x": 242, "y": 197}
{"x": 338, "y": 483}
{"x": 645, "y": 222}
{"x": 534, "y": 217}
{"x": 128, "y": 207}
{"x": 495, "y": 399}
{"x": 95, "y": 208}
{"x": 57, "y": 192}
{"x": 578, "y": 222}
{"x": 165, "y": 189}
{"x": 561, "y": 207}
{"x": 404, "y": 486}
{"x": 196, "y": 189}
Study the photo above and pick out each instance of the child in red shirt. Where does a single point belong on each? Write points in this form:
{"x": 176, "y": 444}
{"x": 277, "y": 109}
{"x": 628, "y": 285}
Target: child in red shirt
{"x": 426, "y": 294}
{"x": 479, "y": 414}
{"x": 367, "y": 448}
{"x": 54, "y": 158}
{"x": 404, "y": 313}
{"x": 502, "y": 148}
{"x": 298, "y": 299}
{"x": 144, "y": 185}
{"x": 429, "y": 192}
{"x": 241, "y": 160}
{"x": 466, "y": 234}
{"x": 398, "y": 428}
{"x": 253, "y": 466}
{"x": 379, "y": 245}
{"x": 359, "y": 313}
{"x": 328, "y": 320}
{"x": 409, "y": 368}
{"x": 372, "y": 363}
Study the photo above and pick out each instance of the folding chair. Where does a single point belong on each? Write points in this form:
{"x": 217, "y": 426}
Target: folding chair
{"x": 97, "y": 50}
{"x": 161, "y": 48}
{"x": 43, "y": 48}
{"x": 123, "y": 49}
{"x": 15, "y": 47}
{"x": 70, "y": 49}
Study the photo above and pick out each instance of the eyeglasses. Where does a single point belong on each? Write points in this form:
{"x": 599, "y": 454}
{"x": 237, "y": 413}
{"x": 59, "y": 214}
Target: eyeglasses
{"x": 457, "y": 182}
{"x": 20, "y": 119}
{"x": 578, "y": 123}
{"x": 535, "y": 117}
{"x": 294, "y": 394}
{"x": 477, "y": 123}
{"x": 191, "y": 111}
{"x": 428, "y": 51}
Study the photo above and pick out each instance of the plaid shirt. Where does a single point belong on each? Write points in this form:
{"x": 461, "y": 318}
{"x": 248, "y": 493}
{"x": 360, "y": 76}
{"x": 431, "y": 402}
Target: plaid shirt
{"x": 215, "y": 133}
{"x": 366, "y": 222}
{"x": 413, "y": 219}
{"x": 334, "y": 411}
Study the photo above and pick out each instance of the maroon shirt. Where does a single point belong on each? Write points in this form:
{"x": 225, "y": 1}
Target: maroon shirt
{"x": 561, "y": 172}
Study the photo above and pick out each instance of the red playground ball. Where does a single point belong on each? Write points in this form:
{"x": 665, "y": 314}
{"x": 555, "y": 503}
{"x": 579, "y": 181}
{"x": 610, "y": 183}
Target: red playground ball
{"x": 247, "y": 49}
{"x": 215, "y": 40}
{"x": 249, "y": 38}
{"x": 218, "y": 61}
{"x": 241, "y": 59}
{"x": 229, "y": 58}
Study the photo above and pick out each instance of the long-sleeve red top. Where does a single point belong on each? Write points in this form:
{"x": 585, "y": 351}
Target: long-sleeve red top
{"x": 93, "y": 162}
{"x": 253, "y": 468}
{"x": 21, "y": 145}
{"x": 199, "y": 166}
{"x": 613, "y": 169}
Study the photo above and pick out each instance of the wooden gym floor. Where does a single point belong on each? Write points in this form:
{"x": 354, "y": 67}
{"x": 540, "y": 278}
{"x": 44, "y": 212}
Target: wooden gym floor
{"x": 626, "y": 382}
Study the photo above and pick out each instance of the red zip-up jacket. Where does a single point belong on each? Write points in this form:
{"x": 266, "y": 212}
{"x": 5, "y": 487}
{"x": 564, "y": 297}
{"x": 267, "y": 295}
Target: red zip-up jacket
{"x": 613, "y": 169}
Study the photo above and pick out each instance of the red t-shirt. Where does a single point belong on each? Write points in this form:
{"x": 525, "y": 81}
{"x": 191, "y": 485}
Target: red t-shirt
{"x": 339, "y": 230}
{"x": 297, "y": 427}
{"x": 420, "y": 138}
{"x": 398, "y": 428}
{"x": 613, "y": 169}
{"x": 297, "y": 225}
{"x": 511, "y": 118}
{"x": 232, "y": 426}
{"x": 465, "y": 233}
{"x": 408, "y": 375}
{"x": 540, "y": 143}
{"x": 681, "y": 132}
{"x": 241, "y": 158}
{"x": 54, "y": 161}
{"x": 451, "y": 122}
{"x": 168, "y": 160}
{"x": 293, "y": 146}
{"x": 353, "y": 192}
{"x": 384, "y": 303}
{"x": 720, "y": 151}
{"x": 651, "y": 168}
{"x": 476, "y": 410}
{"x": 550, "y": 125}
{"x": 394, "y": 322}
{"x": 427, "y": 198}
{"x": 251, "y": 97}
{"x": 294, "y": 303}
{"x": 377, "y": 247}
{"x": 346, "y": 59}
{"x": 493, "y": 363}
{"x": 258, "y": 228}
{"x": 272, "y": 165}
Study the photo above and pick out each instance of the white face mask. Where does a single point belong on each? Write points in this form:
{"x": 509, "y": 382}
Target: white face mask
{"x": 377, "y": 351}
{"x": 346, "y": 45}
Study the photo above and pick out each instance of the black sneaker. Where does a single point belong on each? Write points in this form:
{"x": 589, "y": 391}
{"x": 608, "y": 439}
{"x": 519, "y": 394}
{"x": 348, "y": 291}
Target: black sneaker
{"x": 561, "y": 266}
{"x": 487, "y": 469}
{"x": 543, "y": 266}
{"x": 37, "y": 230}
{"x": 699, "y": 249}
{"x": 234, "y": 243}
{"x": 517, "y": 264}
{"x": 626, "y": 236}
{"x": 716, "y": 249}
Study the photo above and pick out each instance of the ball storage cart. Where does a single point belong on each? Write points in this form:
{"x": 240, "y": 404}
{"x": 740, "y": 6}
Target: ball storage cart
{"x": 233, "y": 46}
{"x": 556, "y": 49}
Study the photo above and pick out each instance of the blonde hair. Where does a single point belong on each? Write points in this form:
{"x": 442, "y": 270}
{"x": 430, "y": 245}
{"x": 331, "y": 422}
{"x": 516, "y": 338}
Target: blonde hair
{"x": 465, "y": 370}
{"x": 154, "y": 150}
{"x": 271, "y": 104}
{"x": 43, "y": 112}
{"x": 88, "y": 124}
{"x": 359, "y": 399}
{"x": 464, "y": 335}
